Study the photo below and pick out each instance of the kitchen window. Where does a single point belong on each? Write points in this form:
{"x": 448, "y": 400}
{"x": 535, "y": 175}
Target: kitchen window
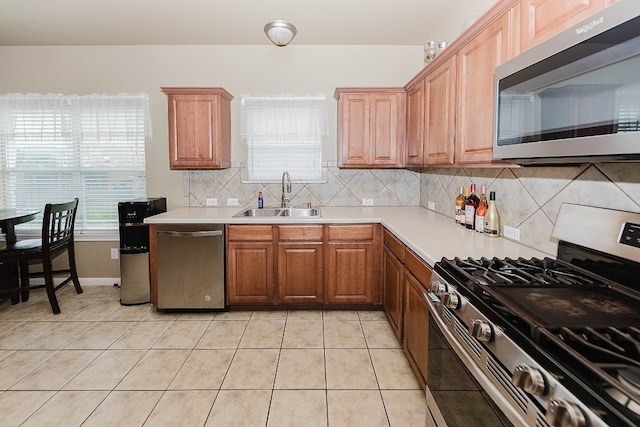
{"x": 56, "y": 147}
{"x": 284, "y": 133}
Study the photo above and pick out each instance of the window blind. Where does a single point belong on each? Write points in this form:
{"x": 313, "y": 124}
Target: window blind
{"x": 56, "y": 147}
{"x": 284, "y": 133}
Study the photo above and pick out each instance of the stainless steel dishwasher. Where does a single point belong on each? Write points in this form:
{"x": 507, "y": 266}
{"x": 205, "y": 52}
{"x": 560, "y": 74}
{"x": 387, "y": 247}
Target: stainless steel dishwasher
{"x": 190, "y": 265}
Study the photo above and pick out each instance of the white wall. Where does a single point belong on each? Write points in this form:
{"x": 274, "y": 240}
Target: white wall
{"x": 239, "y": 69}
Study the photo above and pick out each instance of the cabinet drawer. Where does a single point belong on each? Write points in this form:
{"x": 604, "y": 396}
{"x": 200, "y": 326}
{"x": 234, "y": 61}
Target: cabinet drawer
{"x": 300, "y": 232}
{"x": 395, "y": 245}
{"x": 418, "y": 268}
{"x": 249, "y": 232}
{"x": 351, "y": 232}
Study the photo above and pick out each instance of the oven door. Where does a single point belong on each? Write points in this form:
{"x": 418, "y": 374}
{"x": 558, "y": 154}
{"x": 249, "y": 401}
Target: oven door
{"x": 454, "y": 397}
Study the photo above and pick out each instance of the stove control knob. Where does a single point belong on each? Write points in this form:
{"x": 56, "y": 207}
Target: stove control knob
{"x": 561, "y": 413}
{"x": 481, "y": 330}
{"x": 452, "y": 300}
{"x": 530, "y": 380}
{"x": 439, "y": 288}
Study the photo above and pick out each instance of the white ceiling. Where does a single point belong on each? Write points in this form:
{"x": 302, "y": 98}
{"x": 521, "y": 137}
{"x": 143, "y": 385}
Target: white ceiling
{"x": 221, "y": 22}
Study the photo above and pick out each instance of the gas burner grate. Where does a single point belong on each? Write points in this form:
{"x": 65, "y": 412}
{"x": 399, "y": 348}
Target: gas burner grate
{"x": 533, "y": 272}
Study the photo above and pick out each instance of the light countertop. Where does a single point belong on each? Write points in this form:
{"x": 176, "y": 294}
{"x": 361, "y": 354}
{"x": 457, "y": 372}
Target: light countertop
{"x": 427, "y": 233}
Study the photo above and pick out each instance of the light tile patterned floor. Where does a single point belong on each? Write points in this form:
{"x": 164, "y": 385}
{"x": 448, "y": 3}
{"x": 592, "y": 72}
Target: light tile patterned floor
{"x": 102, "y": 364}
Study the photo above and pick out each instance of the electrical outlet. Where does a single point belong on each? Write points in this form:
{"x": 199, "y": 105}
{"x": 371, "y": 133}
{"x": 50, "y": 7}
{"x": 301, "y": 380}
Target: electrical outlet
{"x": 367, "y": 202}
{"x": 431, "y": 205}
{"x": 232, "y": 202}
{"x": 211, "y": 201}
{"x": 114, "y": 253}
{"x": 512, "y": 233}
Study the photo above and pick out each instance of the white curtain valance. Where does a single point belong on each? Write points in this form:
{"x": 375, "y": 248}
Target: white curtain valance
{"x": 116, "y": 110}
{"x": 284, "y": 117}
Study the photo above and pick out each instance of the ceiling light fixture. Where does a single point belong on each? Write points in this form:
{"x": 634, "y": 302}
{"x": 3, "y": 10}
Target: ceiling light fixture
{"x": 280, "y": 32}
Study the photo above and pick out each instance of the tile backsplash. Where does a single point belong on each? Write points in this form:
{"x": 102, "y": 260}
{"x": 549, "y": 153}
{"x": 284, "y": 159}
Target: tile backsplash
{"x": 344, "y": 187}
{"x": 528, "y": 198}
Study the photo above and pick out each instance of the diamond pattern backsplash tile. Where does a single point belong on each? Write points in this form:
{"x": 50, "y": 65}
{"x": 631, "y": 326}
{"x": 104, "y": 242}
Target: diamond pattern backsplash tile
{"x": 344, "y": 187}
{"x": 528, "y": 198}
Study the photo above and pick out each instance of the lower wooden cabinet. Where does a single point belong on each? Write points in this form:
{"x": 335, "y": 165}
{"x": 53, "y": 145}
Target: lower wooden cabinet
{"x": 300, "y": 264}
{"x": 393, "y": 282}
{"x": 353, "y": 263}
{"x": 304, "y": 264}
{"x": 250, "y": 277}
{"x": 416, "y": 316}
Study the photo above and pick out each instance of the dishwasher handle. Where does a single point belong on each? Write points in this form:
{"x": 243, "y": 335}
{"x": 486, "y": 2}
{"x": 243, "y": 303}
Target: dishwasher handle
{"x": 204, "y": 233}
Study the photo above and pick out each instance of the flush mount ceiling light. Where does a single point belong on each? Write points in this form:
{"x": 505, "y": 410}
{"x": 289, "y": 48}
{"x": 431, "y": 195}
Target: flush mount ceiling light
{"x": 280, "y": 32}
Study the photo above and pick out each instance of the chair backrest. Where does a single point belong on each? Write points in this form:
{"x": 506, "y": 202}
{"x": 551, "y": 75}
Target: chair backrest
{"x": 58, "y": 223}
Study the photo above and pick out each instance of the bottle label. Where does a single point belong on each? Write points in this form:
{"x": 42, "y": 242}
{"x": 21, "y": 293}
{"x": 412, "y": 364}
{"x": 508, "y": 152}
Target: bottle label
{"x": 480, "y": 223}
{"x": 469, "y": 213}
{"x": 456, "y": 209}
{"x": 491, "y": 232}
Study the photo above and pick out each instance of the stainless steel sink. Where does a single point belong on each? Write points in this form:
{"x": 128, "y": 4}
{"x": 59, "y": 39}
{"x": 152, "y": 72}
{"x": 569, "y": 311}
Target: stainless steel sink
{"x": 279, "y": 212}
{"x": 309, "y": 212}
{"x": 255, "y": 212}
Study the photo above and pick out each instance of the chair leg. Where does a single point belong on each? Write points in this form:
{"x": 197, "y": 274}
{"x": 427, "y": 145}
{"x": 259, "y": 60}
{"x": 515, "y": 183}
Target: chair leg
{"x": 9, "y": 280}
{"x": 48, "y": 284}
{"x": 72, "y": 268}
{"x": 24, "y": 280}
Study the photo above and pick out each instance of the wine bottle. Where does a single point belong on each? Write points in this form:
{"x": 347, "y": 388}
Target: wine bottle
{"x": 482, "y": 208}
{"x": 492, "y": 218}
{"x": 466, "y": 194}
{"x": 458, "y": 207}
{"x": 470, "y": 206}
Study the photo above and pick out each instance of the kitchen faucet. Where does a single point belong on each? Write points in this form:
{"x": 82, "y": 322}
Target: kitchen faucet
{"x": 285, "y": 201}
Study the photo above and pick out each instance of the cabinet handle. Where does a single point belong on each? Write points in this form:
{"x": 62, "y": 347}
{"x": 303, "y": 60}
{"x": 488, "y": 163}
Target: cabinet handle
{"x": 190, "y": 233}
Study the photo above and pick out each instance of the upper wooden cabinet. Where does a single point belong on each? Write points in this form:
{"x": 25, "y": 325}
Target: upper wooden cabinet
{"x": 199, "y": 128}
{"x": 541, "y": 19}
{"x": 415, "y": 125}
{"x": 431, "y": 110}
{"x": 477, "y": 61}
{"x": 439, "y": 114}
{"x": 371, "y": 127}
{"x": 453, "y": 124}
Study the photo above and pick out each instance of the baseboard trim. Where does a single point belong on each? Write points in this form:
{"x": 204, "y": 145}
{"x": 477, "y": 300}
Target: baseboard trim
{"x": 88, "y": 281}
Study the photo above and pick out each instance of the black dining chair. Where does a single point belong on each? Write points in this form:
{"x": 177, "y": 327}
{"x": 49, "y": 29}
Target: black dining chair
{"x": 57, "y": 237}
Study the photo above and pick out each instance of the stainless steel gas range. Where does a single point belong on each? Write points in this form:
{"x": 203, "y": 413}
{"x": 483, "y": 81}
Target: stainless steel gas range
{"x": 545, "y": 342}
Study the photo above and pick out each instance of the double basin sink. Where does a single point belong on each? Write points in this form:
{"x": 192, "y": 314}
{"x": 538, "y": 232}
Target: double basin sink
{"x": 279, "y": 213}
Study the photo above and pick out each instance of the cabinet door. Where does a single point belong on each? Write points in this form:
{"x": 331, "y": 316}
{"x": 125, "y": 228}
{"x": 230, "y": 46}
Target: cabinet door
{"x": 300, "y": 264}
{"x": 250, "y": 273}
{"x": 300, "y": 279}
{"x": 392, "y": 290}
{"x": 199, "y": 128}
{"x": 542, "y": 19}
{"x": 354, "y": 130}
{"x": 415, "y": 125}
{"x": 416, "y": 327}
{"x": 350, "y": 271}
{"x": 440, "y": 110}
{"x": 477, "y": 61}
{"x": 386, "y": 130}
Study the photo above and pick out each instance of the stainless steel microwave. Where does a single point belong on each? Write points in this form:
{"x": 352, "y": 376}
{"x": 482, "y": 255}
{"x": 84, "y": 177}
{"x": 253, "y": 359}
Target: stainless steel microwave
{"x": 575, "y": 97}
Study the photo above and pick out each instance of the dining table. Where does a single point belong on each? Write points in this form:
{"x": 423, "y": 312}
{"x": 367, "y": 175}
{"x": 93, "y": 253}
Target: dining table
{"x": 9, "y": 218}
